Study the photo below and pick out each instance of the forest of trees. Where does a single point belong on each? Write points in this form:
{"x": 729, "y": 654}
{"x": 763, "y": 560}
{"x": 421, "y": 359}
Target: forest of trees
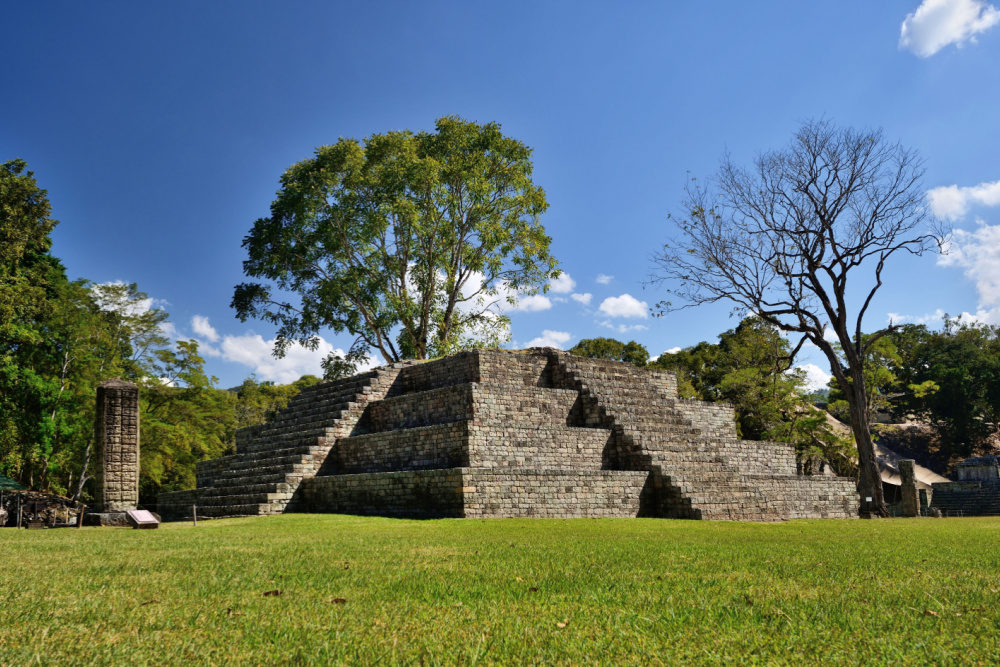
{"x": 59, "y": 338}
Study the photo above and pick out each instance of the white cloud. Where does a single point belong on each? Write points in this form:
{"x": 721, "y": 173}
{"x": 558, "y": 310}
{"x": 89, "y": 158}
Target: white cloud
{"x": 978, "y": 252}
{"x": 622, "y": 328}
{"x": 928, "y": 318}
{"x": 952, "y": 202}
{"x": 556, "y": 339}
{"x": 673, "y": 350}
{"x": 106, "y": 300}
{"x": 533, "y": 304}
{"x": 563, "y": 284}
{"x": 816, "y": 377}
{"x": 499, "y": 303}
{"x": 582, "y": 298}
{"x": 202, "y": 328}
{"x": 937, "y": 23}
{"x": 170, "y": 331}
{"x": 625, "y": 305}
{"x": 252, "y": 350}
{"x": 603, "y": 279}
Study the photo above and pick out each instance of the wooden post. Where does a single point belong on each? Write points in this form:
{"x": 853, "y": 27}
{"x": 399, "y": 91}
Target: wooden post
{"x": 79, "y": 517}
{"x": 19, "y": 512}
{"x": 908, "y": 488}
{"x": 194, "y": 513}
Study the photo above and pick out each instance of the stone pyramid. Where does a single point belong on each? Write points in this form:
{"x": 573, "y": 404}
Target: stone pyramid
{"x": 495, "y": 433}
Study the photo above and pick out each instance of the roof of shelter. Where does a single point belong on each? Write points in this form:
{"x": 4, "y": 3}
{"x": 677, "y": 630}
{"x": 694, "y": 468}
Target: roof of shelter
{"x": 7, "y": 484}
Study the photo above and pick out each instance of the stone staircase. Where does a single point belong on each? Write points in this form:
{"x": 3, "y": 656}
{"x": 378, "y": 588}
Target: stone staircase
{"x": 702, "y": 470}
{"x": 494, "y": 433}
{"x": 272, "y": 459}
{"x": 967, "y": 498}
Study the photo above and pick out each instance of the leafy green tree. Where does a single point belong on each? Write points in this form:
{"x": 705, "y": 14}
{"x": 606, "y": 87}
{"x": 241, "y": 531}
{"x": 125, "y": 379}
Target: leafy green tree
{"x": 59, "y": 339}
{"x": 610, "y": 348}
{"x": 183, "y": 419}
{"x": 750, "y": 368}
{"x": 28, "y": 277}
{"x": 880, "y": 363}
{"x": 25, "y": 265}
{"x": 951, "y": 378}
{"x": 259, "y": 402}
{"x": 408, "y": 241}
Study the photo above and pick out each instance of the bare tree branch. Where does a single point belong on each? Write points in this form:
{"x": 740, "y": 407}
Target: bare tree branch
{"x": 780, "y": 240}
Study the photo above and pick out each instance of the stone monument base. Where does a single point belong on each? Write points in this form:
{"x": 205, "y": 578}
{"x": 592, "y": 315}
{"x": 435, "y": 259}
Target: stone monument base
{"x": 105, "y": 519}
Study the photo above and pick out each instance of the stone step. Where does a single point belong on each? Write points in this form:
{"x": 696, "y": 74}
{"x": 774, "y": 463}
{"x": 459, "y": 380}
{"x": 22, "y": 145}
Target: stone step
{"x": 286, "y": 439}
{"x": 239, "y": 510}
{"x": 260, "y": 497}
{"x": 270, "y": 473}
{"x": 279, "y": 430}
{"x": 283, "y": 488}
{"x": 277, "y": 459}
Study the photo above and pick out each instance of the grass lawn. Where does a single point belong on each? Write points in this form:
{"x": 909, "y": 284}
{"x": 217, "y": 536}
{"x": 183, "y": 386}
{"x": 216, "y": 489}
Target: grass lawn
{"x": 634, "y": 591}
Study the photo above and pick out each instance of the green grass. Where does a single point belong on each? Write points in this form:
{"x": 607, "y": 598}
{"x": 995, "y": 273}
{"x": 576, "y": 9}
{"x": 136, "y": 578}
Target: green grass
{"x": 463, "y": 591}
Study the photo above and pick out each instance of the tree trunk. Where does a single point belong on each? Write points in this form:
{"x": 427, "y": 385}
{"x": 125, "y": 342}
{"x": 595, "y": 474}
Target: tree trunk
{"x": 83, "y": 473}
{"x": 869, "y": 478}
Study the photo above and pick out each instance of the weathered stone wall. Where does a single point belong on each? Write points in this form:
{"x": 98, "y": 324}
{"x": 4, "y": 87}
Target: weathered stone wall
{"x": 803, "y": 497}
{"x": 553, "y": 493}
{"x": 758, "y": 457}
{"x": 423, "y": 447}
{"x": 425, "y": 408}
{"x": 532, "y": 368}
{"x": 982, "y": 467}
{"x": 513, "y": 445}
{"x": 177, "y": 505}
{"x": 526, "y": 405}
{"x": 471, "y": 492}
{"x": 458, "y": 368}
{"x": 714, "y": 420}
{"x": 418, "y": 494}
{"x": 968, "y": 498}
{"x": 117, "y": 436}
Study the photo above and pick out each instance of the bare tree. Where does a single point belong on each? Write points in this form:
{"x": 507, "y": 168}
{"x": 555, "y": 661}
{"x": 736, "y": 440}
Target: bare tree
{"x": 780, "y": 240}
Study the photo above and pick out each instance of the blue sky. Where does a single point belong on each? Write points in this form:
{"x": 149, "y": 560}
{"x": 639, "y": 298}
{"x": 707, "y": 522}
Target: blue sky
{"x": 161, "y": 130}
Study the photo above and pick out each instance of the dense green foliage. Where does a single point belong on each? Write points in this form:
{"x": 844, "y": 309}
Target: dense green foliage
{"x": 951, "y": 378}
{"x": 536, "y": 591}
{"x": 259, "y": 402}
{"x": 609, "y": 348}
{"x": 59, "y": 339}
{"x": 948, "y": 378}
{"x": 880, "y": 361}
{"x": 407, "y": 241}
{"x": 751, "y": 368}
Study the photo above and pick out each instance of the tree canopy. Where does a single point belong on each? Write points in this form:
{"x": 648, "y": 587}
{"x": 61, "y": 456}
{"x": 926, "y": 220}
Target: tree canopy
{"x": 750, "y": 368}
{"x": 412, "y": 242}
{"x": 781, "y": 239}
{"x": 610, "y": 348}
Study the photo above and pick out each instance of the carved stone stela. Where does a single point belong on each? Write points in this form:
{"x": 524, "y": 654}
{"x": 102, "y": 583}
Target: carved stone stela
{"x": 911, "y": 499}
{"x": 117, "y": 435}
